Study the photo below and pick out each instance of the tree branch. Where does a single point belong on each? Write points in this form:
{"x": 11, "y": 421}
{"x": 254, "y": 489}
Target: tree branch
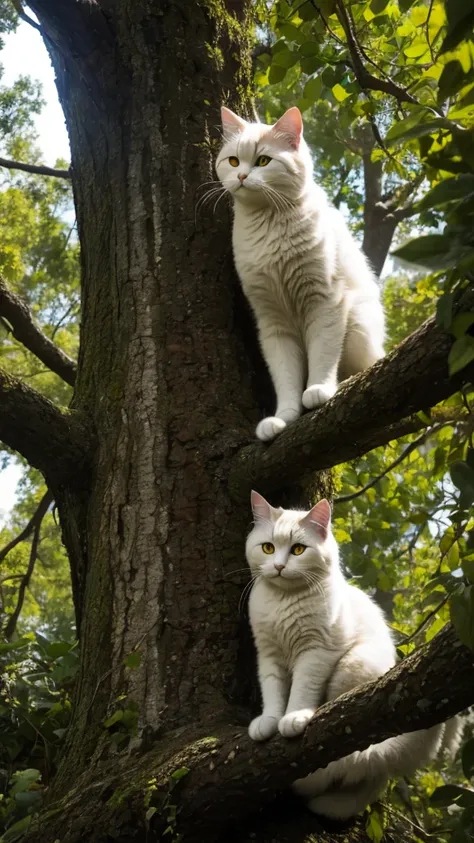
{"x": 361, "y": 415}
{"x": 58, "y": 443}
{"x": 365, "y": 79}
{"x": 13, "y": 619}
{"x": 412, "y": 446}
{"x": 237, "y": 777}
{"x": 38, "y": 516}
{"x": 30, "y": 335}
{"x": 35, "y": 168}
{"x": 428, "y": 687}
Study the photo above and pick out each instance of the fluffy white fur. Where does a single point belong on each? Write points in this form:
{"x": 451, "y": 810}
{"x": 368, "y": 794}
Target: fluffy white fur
{"x": 317, "y": 637}
{"x": 315, "y": 299}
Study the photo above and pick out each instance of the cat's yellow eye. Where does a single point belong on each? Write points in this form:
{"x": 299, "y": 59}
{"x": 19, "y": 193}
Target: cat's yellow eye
{"x": 298, "y": 549}
{"x": 263, "y": 160}
{"x": 233, "y": 161}
{"x": 268, "y": 547}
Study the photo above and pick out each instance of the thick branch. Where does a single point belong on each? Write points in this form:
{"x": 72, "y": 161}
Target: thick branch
{"x": 360, "y": 417}
{"x": 24, "y": 329}
{"x": 57, "y": 443}
{"x": 35, "y": 168}
{"x": 365, "y": 79}
{"x": 36, "y": 519}
{"x": 230, "y": 777}
{"x": 431, "y": 685}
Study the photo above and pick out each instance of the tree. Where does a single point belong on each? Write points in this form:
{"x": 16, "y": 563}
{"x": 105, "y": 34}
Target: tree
{"x": 151, "y": 466}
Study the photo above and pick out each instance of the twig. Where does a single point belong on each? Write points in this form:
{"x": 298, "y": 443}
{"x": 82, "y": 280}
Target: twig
{"x": 365, "y": 79}
{"x": 36, "y": 519}
{"x": 424, "y": 622}
{"x": 13, "y": 619}
{"x": 25, "y": 330}
{"x": 405, "y": 453}
{"x": 39, "y": 169}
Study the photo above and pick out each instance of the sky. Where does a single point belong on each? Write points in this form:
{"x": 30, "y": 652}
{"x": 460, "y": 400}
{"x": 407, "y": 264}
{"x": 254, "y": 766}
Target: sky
{"x": 24, "y": 54}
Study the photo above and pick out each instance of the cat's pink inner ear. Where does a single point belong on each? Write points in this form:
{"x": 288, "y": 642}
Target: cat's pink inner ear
{"x": 290, "y": 125}
{"x": 231, "y": 123}
{"x": 319, "y": 518}
{"x": 261, "y": 509}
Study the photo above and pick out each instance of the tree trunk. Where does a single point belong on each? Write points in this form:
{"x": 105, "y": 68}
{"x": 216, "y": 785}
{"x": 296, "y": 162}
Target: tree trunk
{"x": 165, "y": 378}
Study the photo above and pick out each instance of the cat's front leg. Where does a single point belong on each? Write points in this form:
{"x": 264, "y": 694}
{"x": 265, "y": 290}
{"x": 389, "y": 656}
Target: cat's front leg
{"x": 310, "y": 675}
{"x": 284, "y": 356}
{"x": 324, "y": 343}
{"x": 274, "y": 685}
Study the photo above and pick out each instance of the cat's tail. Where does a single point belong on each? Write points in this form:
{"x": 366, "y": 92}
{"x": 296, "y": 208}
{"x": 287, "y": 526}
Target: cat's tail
{"x": 340, "y": 803}
{"x": 452, "y": 737}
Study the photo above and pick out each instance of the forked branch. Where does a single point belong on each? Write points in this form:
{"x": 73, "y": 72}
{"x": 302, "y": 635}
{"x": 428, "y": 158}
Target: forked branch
{"x": 26, "y": 578}
{"x": 25, "y": 330}
{"x": 57, "y": 443}
{"x": 35, "y": 519}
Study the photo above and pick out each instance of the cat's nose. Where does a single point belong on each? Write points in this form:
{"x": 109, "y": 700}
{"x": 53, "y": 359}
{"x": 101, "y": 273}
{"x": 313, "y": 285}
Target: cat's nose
{"x": 242, "y": 176}
{"x": 279, "y": 567}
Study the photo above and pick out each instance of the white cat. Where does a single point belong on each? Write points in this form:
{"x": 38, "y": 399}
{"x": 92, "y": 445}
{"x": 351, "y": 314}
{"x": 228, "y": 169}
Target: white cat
{"x": 315, "y": 299}
{"x": 318, "y": 637}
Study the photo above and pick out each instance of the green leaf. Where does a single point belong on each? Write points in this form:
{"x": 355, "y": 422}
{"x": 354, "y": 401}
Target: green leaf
{"x": 447, "y": 794}
{"x": 307, "y": 11}
{"x": 462, "y": 476}
{"x": 116, "y": 717}
{"x": 310, "y": 64}
{"x": 179, "y": 774}
{"x": 416, "y": 50}
{"x": 133, "y": 660}
{"x": 451, "y": 80}
{"x": 462, "y": 615}
{"x": 150, "y": 813}
{"x": 374, "y": 826}
{"x": 17, "y": 830}
{"x": 467, "y": 757}
{"x": 461, "y": 353}
{"x": 407, "y": 129}
{"x": 309, "y": 48}
{"x": 285, "y": 58}
{"x": 427, "y": 251}
{"x": 461, "y": 324}
{"x": 448, "y": 190}
{"x": 444, "y": 308}
{"x": 460, "y": 14}
{"x": 313, "y": 88}
{"x": 340, "y": 93}
{"x": 467, "y": 566}
{"x": 276, "y": 74}
{"x": 377, "y": 6}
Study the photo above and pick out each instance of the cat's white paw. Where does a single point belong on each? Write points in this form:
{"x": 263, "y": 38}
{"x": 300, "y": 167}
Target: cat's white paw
{"x": 263, "y": 727}
{"x": 268, "y": 428}
{"x": 317, "y": 394}
{"x": 295, "y": 722}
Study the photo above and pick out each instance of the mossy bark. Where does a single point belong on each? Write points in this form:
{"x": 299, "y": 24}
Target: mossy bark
{"x": 166, "y": 379}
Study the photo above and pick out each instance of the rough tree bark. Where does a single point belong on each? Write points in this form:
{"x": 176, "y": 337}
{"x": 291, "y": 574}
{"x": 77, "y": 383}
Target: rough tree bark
{"x": 165, "y": 396}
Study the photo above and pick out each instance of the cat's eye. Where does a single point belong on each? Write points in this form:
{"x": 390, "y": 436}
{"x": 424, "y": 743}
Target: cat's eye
{"x": 298, "y": 549}
{"x": 268, "y": 547}
{"x": 233, "y": 161}
{"x": 263, "y": 160}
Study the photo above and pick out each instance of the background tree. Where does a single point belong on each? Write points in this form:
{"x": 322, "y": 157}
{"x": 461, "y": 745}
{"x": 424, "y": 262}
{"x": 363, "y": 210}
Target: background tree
{"x": 151, "y": 468}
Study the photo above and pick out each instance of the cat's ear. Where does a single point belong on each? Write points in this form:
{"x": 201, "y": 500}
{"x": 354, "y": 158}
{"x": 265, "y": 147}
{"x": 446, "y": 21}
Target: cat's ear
{"x": 290, "y": 125}
{"x": 319, "y": 518}
{"x": 262, "y": 510}
{"x": 232, "y": 124}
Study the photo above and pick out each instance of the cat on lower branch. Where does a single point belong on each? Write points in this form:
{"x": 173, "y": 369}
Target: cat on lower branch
{"x": 317, "y": 637}
{"x": 315, "y": 298}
